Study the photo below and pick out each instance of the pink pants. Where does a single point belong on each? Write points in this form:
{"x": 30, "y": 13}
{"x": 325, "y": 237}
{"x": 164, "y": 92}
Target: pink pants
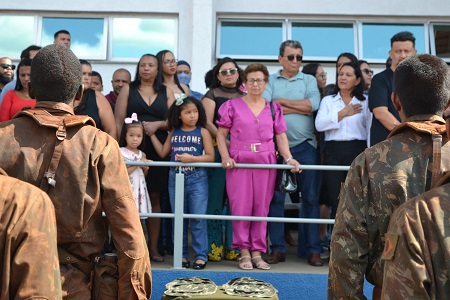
{"x": 250, "y": 192}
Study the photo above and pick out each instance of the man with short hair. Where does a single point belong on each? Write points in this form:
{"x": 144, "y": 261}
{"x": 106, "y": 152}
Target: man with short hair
{"x": 184, "y": 77}
{"x": 6, "y": 71}
{"x": 385, "y": 116}
{"x": 28, "y": 52}
{"x": 30, "y": 266}
{"x": 119, "y": 79}
{"x": 299, "y": 96}
{"x": 62, "y": 37}
{"x": 409, "y": 162}
{"x": 84, "y": 174}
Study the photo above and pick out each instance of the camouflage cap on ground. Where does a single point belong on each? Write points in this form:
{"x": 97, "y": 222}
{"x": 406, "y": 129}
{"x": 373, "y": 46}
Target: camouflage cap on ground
{"x": 193, "y": 286}
{"x": 249, "y": 287}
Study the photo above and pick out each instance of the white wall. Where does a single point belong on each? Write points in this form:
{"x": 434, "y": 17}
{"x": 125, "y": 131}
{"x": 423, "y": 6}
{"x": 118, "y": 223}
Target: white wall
{"x": 197, "y": 20}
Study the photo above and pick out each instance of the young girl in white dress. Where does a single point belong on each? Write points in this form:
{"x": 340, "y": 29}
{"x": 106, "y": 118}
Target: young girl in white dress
{"x": 130, "y": 143}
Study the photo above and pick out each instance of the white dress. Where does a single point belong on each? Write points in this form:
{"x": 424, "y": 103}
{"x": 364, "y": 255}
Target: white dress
{"x": 138, "y": 183}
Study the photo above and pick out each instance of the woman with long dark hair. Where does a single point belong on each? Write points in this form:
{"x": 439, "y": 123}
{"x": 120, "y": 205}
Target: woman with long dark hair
{"x": 226, "y": 82}
{"x": 150, "y": 100}
{"x": 345, "y": 119}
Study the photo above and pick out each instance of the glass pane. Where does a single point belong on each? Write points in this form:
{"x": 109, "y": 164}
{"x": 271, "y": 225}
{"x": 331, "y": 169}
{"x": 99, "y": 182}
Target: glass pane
{"x": 442, "y": 40}
{"x": 88, "y": 37}
{"x": 377, "y": 38}
{"x": 324, "y": 40}
{"x": 133, "y": 37}
{"x": 14, "y": 27}
{"x": 250, "y": 38}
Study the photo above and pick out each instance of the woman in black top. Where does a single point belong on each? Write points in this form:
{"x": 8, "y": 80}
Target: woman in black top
{"x": 150, "y": 100}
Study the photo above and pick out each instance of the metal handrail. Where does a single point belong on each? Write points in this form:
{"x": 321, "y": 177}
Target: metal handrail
{"x": 178, "y": 214}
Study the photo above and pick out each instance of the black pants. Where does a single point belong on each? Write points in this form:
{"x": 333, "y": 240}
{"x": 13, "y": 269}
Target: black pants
{"x": 338, "y": 153}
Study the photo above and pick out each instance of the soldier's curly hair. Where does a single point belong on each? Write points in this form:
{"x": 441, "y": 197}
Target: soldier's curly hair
{"x": 422, "y": 83}
{"x": 55, "y": 74}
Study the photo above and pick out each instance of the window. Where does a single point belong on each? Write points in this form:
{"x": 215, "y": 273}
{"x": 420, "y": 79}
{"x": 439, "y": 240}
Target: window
{"x": 250, "y": 39}
{"x": 12, "y": 28}
{"x": 88, "y": 35}
{"x": 133, "y": 37}
{"x": 440, "y": 41}
{"x": 376, "y": 39}
{"x": 324, "y": 41}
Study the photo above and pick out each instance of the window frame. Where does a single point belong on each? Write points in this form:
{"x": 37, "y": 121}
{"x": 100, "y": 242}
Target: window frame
{"x": 245, "y": 20}
{"x": 432, "y": 39}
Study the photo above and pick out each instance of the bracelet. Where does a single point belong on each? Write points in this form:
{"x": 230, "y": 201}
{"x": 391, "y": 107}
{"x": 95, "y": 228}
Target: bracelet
{"x": 287, "y": 160}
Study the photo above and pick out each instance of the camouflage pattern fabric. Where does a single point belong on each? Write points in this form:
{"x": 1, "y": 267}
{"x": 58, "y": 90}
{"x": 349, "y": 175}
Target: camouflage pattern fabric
{"x": 91, "y": 178}
{"x": 29, "y": 265}
{"x": 417, "y": 251}
{"x": 249, "y": 287}
{"x": 187, "y": 287}
{"x": 380, "y": 179}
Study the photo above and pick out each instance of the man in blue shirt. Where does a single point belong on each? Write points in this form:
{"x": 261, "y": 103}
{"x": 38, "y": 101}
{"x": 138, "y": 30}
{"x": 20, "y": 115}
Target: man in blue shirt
{"x": 299, "y": 96}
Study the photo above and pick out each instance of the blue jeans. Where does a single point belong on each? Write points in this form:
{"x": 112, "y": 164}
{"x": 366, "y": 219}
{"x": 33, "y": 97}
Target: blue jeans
{"x": 195, "y": 202}
{"x": 308, "y": 185}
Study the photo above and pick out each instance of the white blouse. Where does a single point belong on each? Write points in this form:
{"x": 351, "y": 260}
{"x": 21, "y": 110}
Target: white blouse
{"x": 355, "y": 127}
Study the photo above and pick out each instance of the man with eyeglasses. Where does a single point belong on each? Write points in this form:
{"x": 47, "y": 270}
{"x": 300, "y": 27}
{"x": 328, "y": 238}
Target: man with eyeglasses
{"x": 385, "y": 116}
{"x": 6, "y": 71}
{"x": 299, "y": 96}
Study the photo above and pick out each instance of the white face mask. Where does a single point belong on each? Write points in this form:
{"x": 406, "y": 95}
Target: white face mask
{"x": 184, "y": 78}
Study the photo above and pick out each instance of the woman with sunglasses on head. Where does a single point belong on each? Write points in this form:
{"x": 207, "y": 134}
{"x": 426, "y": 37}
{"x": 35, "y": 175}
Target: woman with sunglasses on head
{"x": 367, "y": 74}
{"x": 18, "y": 98}
{"x": 150, "y": 100}
{"x": 226, "y": 82}
{"x": 169, "y": 73}
{"x": 345, "y": 119}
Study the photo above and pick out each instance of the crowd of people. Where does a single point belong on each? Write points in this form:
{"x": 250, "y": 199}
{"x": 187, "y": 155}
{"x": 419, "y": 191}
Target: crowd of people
{"x": 244, "y": 117}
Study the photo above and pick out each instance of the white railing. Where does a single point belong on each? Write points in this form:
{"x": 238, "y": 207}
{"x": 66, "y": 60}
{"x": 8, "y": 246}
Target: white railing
{"x": 178, "y": 214}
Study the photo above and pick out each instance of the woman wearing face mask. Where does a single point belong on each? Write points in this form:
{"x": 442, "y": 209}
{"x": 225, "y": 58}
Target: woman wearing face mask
{"x": 184, "y": 77}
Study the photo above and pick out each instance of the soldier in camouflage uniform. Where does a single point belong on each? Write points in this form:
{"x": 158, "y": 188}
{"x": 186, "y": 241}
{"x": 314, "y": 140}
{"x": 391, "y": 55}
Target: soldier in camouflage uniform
{"x": 91, "y": 178}
{"x": 389, "y": 173}
{"x": 417, "y": 249}
{"x": 29, "y": 265}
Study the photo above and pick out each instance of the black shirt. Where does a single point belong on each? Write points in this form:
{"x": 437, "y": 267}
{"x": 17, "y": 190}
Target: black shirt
{"x": 380, "y": 92}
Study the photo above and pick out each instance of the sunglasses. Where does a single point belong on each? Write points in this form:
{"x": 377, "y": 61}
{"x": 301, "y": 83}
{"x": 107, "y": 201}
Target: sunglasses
{"x": 229, "y": 71}
{"x": 368, "y": 71}
{"x": 6, "y": 66}
{"x": 291, "y": 57}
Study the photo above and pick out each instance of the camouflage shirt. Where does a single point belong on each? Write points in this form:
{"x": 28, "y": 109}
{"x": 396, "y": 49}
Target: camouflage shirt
{"x": 417, "y": 251}
{"x": 380, "y": 179}
{"x": 91, "y": 178}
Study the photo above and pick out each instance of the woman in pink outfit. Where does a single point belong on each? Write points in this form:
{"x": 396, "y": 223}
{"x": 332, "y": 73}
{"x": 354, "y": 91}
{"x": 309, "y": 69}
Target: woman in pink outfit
{"x": 249, "y": 122}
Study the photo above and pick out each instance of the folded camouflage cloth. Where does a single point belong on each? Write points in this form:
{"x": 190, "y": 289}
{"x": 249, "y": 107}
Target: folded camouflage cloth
{"x": 188, "y": 287}
{"x": 249, "y": 287}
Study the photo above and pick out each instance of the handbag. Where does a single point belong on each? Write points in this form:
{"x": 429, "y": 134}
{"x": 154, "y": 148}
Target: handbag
{"x": 286, "y": 181}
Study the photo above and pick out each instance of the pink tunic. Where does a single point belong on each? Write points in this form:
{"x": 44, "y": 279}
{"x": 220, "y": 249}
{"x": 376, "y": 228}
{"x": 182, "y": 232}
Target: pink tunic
{"x": 250, "y": 190}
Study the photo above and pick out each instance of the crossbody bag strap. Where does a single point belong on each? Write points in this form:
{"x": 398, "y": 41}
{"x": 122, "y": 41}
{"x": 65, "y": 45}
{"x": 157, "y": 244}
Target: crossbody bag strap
{"x": 272, "y": 110}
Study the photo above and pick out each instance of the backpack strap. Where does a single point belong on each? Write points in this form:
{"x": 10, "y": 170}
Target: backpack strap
{"x": 436, "y": 131}
{"x": 60, "y": 123}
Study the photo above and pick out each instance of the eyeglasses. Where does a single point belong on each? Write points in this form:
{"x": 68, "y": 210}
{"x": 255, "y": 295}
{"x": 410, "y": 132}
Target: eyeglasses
{"x": 170, "y": 62}
{"x": 258, "y": 81}
{"x": 323, "y": 75}
{"x": 229, "y": 71}
{"x": 6, "y": 66}
{"x": 367, "y": 71}
{"x": 291, "y": 57}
